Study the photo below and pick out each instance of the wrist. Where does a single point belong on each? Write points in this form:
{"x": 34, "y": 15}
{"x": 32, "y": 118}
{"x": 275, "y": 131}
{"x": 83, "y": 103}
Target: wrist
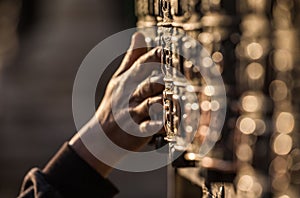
{"x": 81, "y": 150}
{"x": 91, "y": 144}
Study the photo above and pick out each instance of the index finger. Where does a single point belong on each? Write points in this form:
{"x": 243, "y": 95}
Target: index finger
{"x": 136, "y": 49}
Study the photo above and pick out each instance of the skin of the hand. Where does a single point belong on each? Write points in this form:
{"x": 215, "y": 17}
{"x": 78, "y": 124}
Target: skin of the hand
{"x": 135, "y": 69}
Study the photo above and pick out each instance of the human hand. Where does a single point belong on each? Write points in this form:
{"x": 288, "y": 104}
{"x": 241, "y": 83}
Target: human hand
{"x": 128, "y": 107}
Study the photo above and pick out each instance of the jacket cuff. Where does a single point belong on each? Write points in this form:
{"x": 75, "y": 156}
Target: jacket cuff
{"x": 73, "y": 177}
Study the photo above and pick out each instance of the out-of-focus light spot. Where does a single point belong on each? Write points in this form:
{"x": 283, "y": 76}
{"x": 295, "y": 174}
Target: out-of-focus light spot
{"x": 257, "y": 189}
{"x": 258, "y": 5}
{"x": 260, "y": 127}
{"x": 215, "y": 105}
{"x": 278, "y": 90}
{"x": 205, "y": 38}
{"x": 204, "y": 130}
{"x": 148, "y": 39}
{"x": 195, "y": 106}
{"x": 245, "y": 183}
{"x": 285, "y": 122}
{"x": 254, "y": 51}
{"x": 187, "y": 106}
{"x": 209, "y": 90}
{"x": 284, "y": 196}
{"x": 247, "y": 125}
{"x": 207, "y": 62}
{"x": 282, "y": 144}
{"x": 190, "y": 88}
{"x": 244, "y": 152}
{"x": 188, "y": 64}
{"x": 255, "y": 71}
{"x": 205, "y": 105}
{"x": 213, "y": 136}
{"x": 283, "y": 60}
{"x": 188, "y": 45}
{"x": 216, "y": 2}
{"x": 279, "y": 165}
{"x": 190, "y": 156}
{"x": 281, "y": 182}
{"x": 250, "y": 103}
{"x": 188, "y": 129}
{"x": 217, "y": 57}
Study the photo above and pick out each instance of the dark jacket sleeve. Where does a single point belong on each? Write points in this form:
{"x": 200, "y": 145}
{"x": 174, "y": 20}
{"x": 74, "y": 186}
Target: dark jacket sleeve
{"x": 66, "y": 175}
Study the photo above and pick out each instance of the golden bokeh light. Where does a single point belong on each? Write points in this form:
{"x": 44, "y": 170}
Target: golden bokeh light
{"x": 284, "y": 196}
{"x": 285, "y": 122}
{"x": 279, "y": 165}
{"x": 258, "y": 5}
{"x": 282, "y": 144}
{"x": 244, "y": 152}
{"x": 205, "y": 38}
{"x": 245, "y": 183}
{"x": 195, "y": 106}
{"x": 255, "y": 71}
{"x": 205, "y": 105}
{"x": 217, "y": 57}
{"x": 207, "y": 62}
{"x": 281, "y": 182}
{"x": 215, "y": 105}
{"x": 260, "y": 127}
{"x": 247, "y": 125}
{"x": 254, "y": 51}
{"x": 283, "y": 60}
{"x": 251, "y": 103}
{"x": 278, "y": 90}
{"x": 209, "y": 90}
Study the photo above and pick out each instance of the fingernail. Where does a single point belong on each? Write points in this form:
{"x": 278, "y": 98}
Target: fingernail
{"x": 137, "y": 40}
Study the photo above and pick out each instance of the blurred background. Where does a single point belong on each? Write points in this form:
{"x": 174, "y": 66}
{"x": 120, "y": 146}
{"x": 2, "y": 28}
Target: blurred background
{"x": 42, "y": 44}
{"x": 254, "y": 43}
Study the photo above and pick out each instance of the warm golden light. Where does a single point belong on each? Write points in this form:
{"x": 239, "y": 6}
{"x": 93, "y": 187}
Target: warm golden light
{"x": 281, "y": 182}
{"x": 205, "y": 38}
{"x": 205, "y": 105}
{"x": 254, "y": 51}
{"x": 283, "y": 60}
{"x": 247, "y": 125}
{"x": 190, "y": 156}
{"x": 244, "y": 152}
{"x": 195, "y": 106}
{"x": 255, "y": 71}
{"x": 278, "y": 90}
{"x": 188, "y": 129}
{"x": 217, "y": 57}
{"x": 215, "y": 105}
{"x": 209, "y": 90}
{"x": 284, "y": 196}
{"x": 285, "y": 122}
{"x": 245, "y": 183}
{"x": 251, "y": 103}
{"x": 282, "y": 144}
{"x": 279, "y": 165}
{"x": 207, "y": 62}
{"x": 258, "y": 5}
{"x": 204, "y": 130}
{"x": 260, "y": 127}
